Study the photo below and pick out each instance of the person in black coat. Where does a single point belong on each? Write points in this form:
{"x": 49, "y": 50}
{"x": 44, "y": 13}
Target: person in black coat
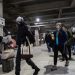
{"x": 48, "y": 41}
{"x": 22, "y": 32}
{"x": 0, "y": 48}
{"x": 68, "y": 42}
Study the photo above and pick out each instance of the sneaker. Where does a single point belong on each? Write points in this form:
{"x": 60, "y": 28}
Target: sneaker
{"x": 67, "y": 63}
{"x": 54, "y": 68}
{"x": 36, "y": 71}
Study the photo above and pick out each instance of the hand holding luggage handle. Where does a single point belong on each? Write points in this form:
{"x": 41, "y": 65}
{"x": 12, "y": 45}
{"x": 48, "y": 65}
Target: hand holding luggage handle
{"x": 27, "y": 56}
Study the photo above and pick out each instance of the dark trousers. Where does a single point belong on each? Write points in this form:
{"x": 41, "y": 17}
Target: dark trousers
{"x": 0, "y": 60}
{"x": 48, "y": 46}
{"x": 31, "y": 63}
{"x": 64, "y": 55}
{"x": 69, "y": 50}
{"x": 18, "y": 62}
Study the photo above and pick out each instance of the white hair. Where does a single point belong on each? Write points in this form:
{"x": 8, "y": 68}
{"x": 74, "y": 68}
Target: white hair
{"x": 59, "y": 23}
{"x": 19, "y": 19}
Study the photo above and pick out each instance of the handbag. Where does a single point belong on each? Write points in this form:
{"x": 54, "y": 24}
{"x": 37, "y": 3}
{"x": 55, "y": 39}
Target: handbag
{"x": 29, "y": 55}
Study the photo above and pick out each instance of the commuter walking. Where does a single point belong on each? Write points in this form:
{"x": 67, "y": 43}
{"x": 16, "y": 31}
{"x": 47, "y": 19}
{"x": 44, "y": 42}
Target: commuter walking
{"x": 73, "y": 42}
{"x": 1, "y": 48}
{"x": 22, "y": 33}
{"x": 68, "y": 42}
{"x": 48, "y": 40}
{"x": 60, "y": 38}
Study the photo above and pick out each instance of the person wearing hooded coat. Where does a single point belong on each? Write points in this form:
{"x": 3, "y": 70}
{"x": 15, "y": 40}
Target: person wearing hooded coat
{"x": 22, "y": 32}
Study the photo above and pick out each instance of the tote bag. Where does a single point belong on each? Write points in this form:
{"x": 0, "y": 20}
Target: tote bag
{"x": 26, "y": 51}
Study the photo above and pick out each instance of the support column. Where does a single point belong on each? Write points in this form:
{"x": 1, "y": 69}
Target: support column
{"x": 1, "y": 8}
{"x": 36, "y": 37}
{"x": 1, "y": 27}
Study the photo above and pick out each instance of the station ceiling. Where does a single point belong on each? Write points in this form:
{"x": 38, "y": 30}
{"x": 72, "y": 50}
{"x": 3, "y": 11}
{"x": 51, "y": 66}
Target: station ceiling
{"x": 49, "y": 12}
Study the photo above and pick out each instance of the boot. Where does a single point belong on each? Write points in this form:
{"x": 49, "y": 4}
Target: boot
{"x": 32, "y": 64}
{"x": 36, "y": 71}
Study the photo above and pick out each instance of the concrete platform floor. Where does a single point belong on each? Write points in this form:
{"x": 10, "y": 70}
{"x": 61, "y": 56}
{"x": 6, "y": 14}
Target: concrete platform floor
{"x": 44, "y": 61}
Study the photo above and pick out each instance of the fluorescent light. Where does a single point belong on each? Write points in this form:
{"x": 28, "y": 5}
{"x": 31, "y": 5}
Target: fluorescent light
{"x": 37, "y": 20}
{"x": 38, "y": 26}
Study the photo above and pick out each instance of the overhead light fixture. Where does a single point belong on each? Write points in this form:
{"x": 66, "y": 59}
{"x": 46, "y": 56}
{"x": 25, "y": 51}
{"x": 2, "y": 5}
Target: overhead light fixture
{"x": 37, "y": 20}
{"x": 38, "y": 26}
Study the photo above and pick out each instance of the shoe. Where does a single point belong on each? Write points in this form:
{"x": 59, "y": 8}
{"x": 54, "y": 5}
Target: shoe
{"x": 18, "y": 73}
{"x": 62, "y": 59}
{"x": 36, "y": 71}
{"x": 70, "y": 59}
{"x": 67, "y": 63}
{"x": 54, "y": 68}
{"x": 49, "y": 51}
{"x": 73, "y": 53}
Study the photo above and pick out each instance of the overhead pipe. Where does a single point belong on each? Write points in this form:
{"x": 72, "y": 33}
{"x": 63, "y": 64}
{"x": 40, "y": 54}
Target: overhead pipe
{"x": 60, "y": 13}
{"x": 19, "y": 2}
{"x": 73, "y": 3}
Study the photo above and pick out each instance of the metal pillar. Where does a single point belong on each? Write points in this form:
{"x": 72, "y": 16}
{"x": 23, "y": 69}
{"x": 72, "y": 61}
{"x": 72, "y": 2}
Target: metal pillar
{"x": 1, "y": 8}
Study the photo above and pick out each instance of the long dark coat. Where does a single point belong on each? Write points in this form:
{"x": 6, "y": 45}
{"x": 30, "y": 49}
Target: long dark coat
{"x": 22, "y": 32}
